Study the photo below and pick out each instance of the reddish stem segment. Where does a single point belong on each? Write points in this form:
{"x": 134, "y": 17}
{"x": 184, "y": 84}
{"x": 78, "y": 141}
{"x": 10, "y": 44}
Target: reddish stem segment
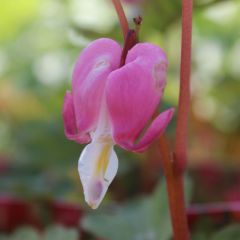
{"x": 130, "y": 35}
{"x": 219, "y": 212}
{"x": 212, "y": 209}
{"x": 175, "y": 191}
{"x": 174, "y": 166}
{"x": 122, "y": 17}
{"x": 130, "y": 41}
{"x": 184, "y": 96}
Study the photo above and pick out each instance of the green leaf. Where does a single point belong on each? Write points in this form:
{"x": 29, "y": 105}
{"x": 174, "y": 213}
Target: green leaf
{"x": 25, "y": 233}
{"x": 60, "y": 233}
{"x": 145, "y": 218}
{"x": 54, "y": 232}
{"x": 231, "y": 232}
{"x": 199, "y": 236}
{"x": 3, "y": 237}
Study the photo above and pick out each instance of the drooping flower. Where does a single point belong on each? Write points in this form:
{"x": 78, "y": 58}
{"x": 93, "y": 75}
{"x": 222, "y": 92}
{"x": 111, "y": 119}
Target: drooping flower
{"x": 111, "y": 105}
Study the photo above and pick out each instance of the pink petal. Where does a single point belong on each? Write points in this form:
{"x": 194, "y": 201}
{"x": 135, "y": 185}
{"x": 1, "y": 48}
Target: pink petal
{"x": 134, "y": 91}
{"x": 69, "y": 121}
{"x": 156, "y": 128}
{"x": 89, "y": 78}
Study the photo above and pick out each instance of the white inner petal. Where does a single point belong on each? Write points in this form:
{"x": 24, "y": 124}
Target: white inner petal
{"x": 97, "y": 167}
{"x": 98, "y": 162}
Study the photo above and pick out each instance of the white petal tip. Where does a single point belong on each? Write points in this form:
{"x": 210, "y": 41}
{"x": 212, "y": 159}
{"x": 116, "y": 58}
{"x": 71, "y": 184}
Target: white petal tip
{"x": 95, "y": 194}
{"x": 97, "y": 168}
{"x": 92, "y": 206}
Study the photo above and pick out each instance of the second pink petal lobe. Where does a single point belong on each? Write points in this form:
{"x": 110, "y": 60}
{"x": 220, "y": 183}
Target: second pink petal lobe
{"x": 133, "y": 94}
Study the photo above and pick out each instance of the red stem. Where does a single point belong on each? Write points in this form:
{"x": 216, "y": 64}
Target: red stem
{"x": 174, "y": 166}
{"x": 175, "y": 191}
{"x": 122, "y": 17}
{"x": 184, "y": 94}
{"x": 214, "y": 208}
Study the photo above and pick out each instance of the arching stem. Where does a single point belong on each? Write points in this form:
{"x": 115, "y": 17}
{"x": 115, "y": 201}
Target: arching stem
{"x": 122, "y": 17}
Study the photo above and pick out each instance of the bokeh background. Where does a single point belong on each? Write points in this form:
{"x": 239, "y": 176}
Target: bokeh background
{"x": 40, "y": 192}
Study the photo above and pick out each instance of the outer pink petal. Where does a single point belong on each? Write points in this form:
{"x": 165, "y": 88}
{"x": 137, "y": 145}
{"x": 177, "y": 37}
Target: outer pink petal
{"x": 69, "y": 121}
{"x": 134, "y": 91}
{"x": 89, "y": 78}
{"x": 156, "y": 128}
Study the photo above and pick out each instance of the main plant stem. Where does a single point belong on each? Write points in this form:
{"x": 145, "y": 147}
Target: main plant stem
{"x": 174, "y": 165}
{"x": 184, "y": 94}
{"x": 175, "y": 191}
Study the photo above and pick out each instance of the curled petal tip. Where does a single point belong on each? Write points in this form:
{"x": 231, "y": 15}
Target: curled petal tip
{"x": 69, "y": 120}
{"x": 69, "y": 116}
{"x": 156, "y": 128}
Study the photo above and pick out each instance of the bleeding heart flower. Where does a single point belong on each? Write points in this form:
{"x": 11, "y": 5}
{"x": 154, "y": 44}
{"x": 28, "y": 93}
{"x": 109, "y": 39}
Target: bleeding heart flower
{"x": 112, "y": 105}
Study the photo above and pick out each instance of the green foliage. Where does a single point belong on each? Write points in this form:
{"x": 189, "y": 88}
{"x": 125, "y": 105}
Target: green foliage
{"x": 145, "y": 218}
{"x": 231, "y": 232}
{"x": 25, "y": 233}
{"x": 60, "y": 233}
{"x": 51, "y": 233}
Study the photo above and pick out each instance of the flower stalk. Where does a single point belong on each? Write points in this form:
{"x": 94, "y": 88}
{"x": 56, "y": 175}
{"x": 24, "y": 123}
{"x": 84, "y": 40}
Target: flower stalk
{"x": 122, "y": 17}
{"x": 130, "y": 35}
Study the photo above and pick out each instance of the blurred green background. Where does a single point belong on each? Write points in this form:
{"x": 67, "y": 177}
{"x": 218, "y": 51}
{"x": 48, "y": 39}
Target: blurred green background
{"x": 39, "y": 44}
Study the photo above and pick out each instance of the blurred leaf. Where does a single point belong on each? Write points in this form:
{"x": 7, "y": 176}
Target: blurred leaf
{"x": 199, "y": 236}
{"x": 25, "y": 233}
{"x": 60, "y": 233}
{"x": 51, "y": 233}
{"x": 3, "y": 237}
{"x": 146, "y": 218}
{"x": 231, "y": 232}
